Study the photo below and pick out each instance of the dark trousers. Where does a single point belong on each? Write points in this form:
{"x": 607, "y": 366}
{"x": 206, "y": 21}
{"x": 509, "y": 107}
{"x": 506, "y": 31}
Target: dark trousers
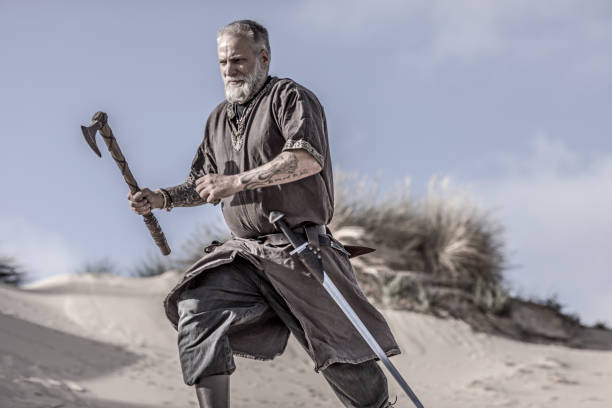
{"x": 228, "y": 296}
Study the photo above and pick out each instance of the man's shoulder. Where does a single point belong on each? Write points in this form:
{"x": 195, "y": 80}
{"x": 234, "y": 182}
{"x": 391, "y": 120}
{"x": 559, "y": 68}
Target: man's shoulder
{"x": 219, "y": 109}
{"x": 286, "y": 88}
{"x": 290, "y": 85}
{"x": 217, "y": 113}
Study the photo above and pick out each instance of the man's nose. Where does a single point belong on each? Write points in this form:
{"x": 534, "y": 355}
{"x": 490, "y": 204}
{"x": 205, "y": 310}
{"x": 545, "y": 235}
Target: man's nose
{"x": 230, "y": 69}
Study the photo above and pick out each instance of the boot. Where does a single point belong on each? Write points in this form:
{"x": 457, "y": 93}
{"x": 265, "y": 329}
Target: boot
{"x": 213, "y": 391}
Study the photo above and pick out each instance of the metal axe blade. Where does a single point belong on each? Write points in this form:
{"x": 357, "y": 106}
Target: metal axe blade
{"x": 89, "y": 132}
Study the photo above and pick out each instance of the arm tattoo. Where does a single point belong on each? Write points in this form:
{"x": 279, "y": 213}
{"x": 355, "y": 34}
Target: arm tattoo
{"x": 185, "y": 194}
{"x": 283, "y": 169}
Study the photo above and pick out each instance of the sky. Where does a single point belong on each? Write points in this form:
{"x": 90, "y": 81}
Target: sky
{"x": 510, "y": 101}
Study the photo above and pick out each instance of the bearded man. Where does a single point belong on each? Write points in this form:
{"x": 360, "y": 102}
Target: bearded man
{"x": 265, "y": 148}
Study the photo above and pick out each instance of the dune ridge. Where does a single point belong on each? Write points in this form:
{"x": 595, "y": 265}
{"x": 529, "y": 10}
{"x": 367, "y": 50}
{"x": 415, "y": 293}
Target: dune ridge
{"x": 103, "y": 341}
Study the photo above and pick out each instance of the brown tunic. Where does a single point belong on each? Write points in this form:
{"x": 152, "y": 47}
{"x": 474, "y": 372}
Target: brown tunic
{"x": 282, "y": 116}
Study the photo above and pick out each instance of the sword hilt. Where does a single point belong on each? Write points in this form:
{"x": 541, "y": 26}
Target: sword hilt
{"x": 276, "y": 218}
{"x": 302, "y": 248}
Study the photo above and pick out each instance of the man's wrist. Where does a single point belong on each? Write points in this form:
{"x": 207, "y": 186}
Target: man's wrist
{"x": 164, "y": 200}
{"x": 238, "y": 184}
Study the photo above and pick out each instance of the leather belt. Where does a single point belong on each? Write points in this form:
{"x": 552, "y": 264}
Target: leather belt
{"x": 324, "y": 239}
{"x": 320, "y": 231}
{"x": 279, "y": 238}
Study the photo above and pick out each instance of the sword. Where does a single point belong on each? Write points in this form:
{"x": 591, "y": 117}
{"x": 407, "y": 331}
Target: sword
{"x": 311, "y": 258}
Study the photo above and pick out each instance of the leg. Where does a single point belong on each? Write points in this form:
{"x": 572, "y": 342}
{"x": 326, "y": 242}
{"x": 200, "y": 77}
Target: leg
{"x": 207, "y": 309}
{"x": 362, "y": 385}
{"x": 213, "y": 391}
{"x": 356, "y": 385}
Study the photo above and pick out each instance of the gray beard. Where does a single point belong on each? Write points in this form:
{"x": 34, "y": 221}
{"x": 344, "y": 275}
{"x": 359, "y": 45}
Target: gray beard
{"x": 252, "y": 82}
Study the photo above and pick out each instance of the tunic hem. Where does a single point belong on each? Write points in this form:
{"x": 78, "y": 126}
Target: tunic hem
{"x": 252, "y": 356}
{"x": 328, "y": 362}
{"x": 253, "y": 252}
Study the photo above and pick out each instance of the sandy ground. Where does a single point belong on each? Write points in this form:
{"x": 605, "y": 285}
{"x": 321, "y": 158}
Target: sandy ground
{"x": 104, "y": 341}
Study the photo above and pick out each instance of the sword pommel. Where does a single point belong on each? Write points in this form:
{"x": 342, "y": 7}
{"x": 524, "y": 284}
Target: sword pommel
{"x": 275, "y": 216}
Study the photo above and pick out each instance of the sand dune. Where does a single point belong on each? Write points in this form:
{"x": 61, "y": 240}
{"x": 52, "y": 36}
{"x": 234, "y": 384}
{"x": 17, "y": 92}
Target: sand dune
{"x": 103, "y": 341}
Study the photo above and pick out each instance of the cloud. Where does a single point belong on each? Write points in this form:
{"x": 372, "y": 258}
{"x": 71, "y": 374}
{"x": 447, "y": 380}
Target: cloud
{"x": 40, "y": 252}
{"x": 555, "y": 204}
{"x": 553, "y": 200}
{"x": 423, "y": 35}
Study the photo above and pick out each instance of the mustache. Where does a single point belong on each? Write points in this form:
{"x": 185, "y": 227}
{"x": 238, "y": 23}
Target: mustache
{"x": 236, "y": 78}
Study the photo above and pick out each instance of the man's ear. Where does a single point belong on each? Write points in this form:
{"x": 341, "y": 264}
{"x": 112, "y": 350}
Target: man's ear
{"x": 265, "y": 56}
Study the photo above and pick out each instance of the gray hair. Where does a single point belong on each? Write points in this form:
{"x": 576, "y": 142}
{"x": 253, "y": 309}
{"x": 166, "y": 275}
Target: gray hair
{"x": 251, "y": 29}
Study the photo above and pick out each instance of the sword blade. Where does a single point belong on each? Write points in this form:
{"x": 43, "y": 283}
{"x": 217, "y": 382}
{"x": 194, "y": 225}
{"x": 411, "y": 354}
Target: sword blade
{"x": 367, "y": 336}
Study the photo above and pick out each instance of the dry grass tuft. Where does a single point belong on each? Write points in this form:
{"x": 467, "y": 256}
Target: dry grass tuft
{"x": 153, "y": 265}
{"x": 443, "y": 235}
{"x": 203, "y": 236}
{"x": 440, "y": 254}
{"x": 103, "y": 266}
{"x": 190, "y": 252}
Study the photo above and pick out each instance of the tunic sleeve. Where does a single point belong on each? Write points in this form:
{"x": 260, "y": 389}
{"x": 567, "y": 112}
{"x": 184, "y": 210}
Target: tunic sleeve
{"x": 184, "y": 194}
{"x": 301, "y": 119}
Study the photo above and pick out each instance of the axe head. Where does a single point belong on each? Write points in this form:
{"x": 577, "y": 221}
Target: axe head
{"x": 89, "y": 132}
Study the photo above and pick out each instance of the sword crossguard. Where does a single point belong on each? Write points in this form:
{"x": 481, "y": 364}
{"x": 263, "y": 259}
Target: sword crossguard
{"x": 299, "y": 249}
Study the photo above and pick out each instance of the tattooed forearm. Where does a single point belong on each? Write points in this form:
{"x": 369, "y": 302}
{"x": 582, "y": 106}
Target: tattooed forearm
{"x": 185, "y": 195}
{"x": 288, "y": 166}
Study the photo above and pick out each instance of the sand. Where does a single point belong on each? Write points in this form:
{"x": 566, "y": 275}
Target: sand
{"x": 104, "y": 341}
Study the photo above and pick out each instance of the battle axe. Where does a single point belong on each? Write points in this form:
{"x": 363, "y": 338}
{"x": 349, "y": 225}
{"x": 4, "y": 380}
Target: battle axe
{"x": 99, "y": 123}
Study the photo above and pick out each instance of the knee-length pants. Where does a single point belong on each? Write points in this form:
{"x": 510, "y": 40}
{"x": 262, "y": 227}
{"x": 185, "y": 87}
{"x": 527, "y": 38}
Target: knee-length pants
{"x": 238, "y": 293}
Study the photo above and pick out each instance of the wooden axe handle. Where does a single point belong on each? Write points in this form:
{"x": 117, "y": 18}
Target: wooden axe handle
{"x": 149, "y": 219}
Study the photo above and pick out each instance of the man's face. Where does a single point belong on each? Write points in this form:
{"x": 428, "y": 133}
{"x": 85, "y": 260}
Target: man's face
{"x": 243, "y": 71}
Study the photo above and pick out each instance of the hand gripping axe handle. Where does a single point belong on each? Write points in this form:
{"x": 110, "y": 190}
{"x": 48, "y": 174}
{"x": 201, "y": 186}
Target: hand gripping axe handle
{"x": 311, "y": 258}
{"x": 99, "y": 123}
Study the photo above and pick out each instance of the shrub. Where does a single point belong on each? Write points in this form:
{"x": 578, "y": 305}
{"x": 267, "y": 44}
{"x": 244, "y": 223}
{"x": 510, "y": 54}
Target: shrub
{"x": 153, "y": 265}
{"x": 103, "y": 266}
{"x": 443, "y": 234}
{"x": 193, "y": 248}
{"x": 552, "y": 302}
{"x": 491, "y": 297}
{"x": 10, "y": 272}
